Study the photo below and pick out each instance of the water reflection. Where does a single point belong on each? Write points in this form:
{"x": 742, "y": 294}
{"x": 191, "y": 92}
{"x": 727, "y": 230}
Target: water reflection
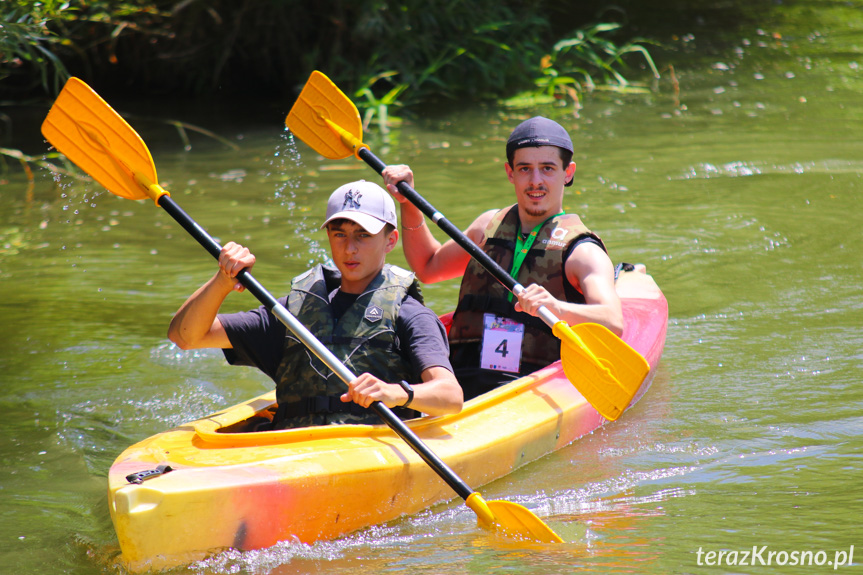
{"x": 739, "y": 191}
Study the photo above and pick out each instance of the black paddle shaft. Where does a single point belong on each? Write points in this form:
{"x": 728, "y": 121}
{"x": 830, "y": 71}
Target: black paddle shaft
{"x": 271, "y": 303}
{"x": 444, "y": 224}
{"x": 214, "y": 249}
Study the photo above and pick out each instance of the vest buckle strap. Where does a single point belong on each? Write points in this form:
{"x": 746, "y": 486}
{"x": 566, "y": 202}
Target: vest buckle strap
{"x": 321, "y": 404}
{"x": 317, "y": 405}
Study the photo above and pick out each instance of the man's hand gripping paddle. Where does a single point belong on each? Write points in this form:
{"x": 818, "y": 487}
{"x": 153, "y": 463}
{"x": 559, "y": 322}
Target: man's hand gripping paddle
{"x": 83, "y": 127}
{"x": 603, "y": 367}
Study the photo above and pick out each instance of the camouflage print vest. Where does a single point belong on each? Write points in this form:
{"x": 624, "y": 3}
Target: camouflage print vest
{"x": 364, "y": 339}
{"x": 480, "y": 293}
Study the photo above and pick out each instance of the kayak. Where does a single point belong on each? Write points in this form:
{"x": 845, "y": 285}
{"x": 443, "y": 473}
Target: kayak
{"x": 214, "y": 483}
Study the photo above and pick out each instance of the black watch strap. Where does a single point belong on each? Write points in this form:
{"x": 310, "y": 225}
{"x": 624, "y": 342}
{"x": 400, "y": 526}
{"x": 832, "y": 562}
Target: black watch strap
{"x": 410, "y": 391}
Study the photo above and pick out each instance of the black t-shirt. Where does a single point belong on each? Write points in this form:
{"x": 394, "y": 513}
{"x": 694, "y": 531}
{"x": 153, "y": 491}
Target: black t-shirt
{"x": 258, "y": 337}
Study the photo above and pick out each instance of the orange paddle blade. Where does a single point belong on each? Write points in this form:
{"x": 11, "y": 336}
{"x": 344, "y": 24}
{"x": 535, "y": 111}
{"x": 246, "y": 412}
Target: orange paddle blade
{"x": 85, "y": 129}
{"x": 603, "y": 367}
{"x": 325, "y": 119}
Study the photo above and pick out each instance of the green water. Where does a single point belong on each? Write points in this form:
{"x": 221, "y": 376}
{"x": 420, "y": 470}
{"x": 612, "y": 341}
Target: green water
{"x": 741, "y": 195}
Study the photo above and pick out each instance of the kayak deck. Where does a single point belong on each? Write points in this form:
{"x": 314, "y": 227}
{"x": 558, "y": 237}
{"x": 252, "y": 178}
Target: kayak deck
{"x": 249, "y": 490}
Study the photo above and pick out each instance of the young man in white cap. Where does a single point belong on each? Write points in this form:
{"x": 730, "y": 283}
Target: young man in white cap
{"x": 367, "y": 312}
{"x": 563, "y": 265}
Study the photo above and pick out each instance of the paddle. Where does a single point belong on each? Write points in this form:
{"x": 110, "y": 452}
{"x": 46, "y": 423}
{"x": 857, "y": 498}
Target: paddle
{"x": 91, "y": 134}
{"x": 604, "y": 368}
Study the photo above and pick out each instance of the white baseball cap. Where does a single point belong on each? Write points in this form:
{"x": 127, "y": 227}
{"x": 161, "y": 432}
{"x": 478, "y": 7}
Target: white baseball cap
{"x": 364, "y": 203}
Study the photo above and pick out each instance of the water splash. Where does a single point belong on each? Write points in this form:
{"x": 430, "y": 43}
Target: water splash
{"x": 288, "y": 160}
{"x": 287, "y": 155}
{"x": 605, "y": 495}
{"x": 261, "y": 561}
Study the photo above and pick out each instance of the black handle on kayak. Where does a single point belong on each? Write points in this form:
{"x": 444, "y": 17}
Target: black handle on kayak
{"x": 272, "y": 304}
{"x": 444, "y": 224}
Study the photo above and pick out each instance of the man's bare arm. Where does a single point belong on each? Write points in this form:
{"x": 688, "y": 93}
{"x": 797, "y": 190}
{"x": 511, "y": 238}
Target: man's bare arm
{"x": 196, "y": 325}
{"x": 438, "y": 394}
{"x": 591, "y": 271}
{"x": 430, "y": 260}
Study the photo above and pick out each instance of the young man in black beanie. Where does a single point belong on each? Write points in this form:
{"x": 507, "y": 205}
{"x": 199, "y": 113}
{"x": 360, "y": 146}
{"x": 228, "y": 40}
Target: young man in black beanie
{"x": 565, "y": 267}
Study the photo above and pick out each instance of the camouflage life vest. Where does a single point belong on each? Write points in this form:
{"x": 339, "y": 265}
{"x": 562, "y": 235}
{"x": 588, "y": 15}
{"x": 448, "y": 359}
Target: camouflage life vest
{"x": 364, "y": 339}
{"x": 481, "y": 293}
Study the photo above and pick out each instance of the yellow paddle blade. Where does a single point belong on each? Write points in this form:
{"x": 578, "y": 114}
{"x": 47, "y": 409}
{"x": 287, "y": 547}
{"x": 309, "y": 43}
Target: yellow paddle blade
{"x": 85, "y": 129}
{"x": 604, "y": 368}
{"x": 512, "y": 518}
{"x": 325, "y": 119}
{"x": 521, "y": 522}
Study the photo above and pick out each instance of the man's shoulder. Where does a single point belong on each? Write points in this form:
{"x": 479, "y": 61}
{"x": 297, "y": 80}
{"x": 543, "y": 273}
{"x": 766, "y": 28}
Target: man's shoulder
{"x": 587, "y": 247}
{"x": 478, "y": 230}
{"x": 416, "y": 315}
{"x": 586, "y": 258}
{"x": 487, "y": 216}
{"x": 422, "y": 336}
{"x": 399, "y": 271}
{"x": 412, "y": 307}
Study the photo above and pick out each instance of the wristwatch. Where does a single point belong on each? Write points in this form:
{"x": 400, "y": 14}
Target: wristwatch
{"x": 410, "y": 391}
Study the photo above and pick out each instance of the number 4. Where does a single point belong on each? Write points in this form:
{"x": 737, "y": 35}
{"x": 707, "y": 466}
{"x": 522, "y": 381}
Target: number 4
{"x": 501, "y": 348}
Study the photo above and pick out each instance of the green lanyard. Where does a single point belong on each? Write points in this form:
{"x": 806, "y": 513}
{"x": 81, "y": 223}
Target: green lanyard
{"x": 522, "y": 247}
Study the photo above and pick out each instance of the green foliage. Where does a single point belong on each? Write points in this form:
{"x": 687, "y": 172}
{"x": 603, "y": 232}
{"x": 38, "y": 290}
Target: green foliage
{"x": 44, "y": 39}
{"x": 365, "y": 99}
{"x": 387, "y": 54}
{"x": 589, "y": 53}
{"x": 442, "y": 49}
{"x": 586, "y": 61}
{"x": 27, "y": 45}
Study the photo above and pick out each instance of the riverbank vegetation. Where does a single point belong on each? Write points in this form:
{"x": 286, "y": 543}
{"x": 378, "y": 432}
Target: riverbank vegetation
{"x": 390, "y": 57}
{"x": 384, "y": 53}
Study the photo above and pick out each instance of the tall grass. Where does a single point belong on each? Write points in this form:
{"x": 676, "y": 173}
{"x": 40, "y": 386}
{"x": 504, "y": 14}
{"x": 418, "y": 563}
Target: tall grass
{"x": 585, "y": 61}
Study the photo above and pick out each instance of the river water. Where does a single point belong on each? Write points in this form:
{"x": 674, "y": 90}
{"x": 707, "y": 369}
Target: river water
{"x": 739, "y": 193}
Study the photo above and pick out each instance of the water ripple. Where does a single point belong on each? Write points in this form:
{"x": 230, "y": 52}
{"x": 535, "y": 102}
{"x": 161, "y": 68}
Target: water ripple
{"x": 744, "y": 169}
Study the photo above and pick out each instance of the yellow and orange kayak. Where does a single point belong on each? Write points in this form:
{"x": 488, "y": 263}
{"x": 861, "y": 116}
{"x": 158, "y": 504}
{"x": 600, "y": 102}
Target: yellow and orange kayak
{"x": 211, "y": 484}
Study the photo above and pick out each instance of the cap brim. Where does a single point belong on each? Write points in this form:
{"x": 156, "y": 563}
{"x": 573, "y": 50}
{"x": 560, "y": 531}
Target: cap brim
{"x": 369, "y": 223}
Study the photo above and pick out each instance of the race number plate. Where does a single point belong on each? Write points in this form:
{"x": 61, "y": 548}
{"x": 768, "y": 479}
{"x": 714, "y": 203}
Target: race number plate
{"x": 501, "y": 343}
